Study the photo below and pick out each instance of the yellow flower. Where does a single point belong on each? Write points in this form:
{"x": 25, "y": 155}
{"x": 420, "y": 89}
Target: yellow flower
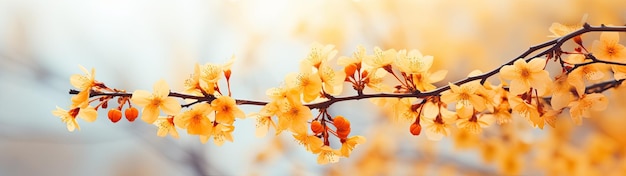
{"x": 333, "y": 80}
{"x": 312, "y": 144}
{"x": 222, "y": 133}
{"x": 405, "y": 110}
{"x": 284, "y": 96}
{"x": 524, "y": 75}
{"x": 156, "y": 101}
{"x": 352, "y": 65}
{"x": 88, "y": 114}
{"x": 193, "y": 85}
{"x": 211, "y": 73}
{"x": 526, "y": 110}
{"x": 486, "y": 91}
{"x": 306, "y": 82}
{"x": 465, "y": 95}
{"x": 608, "y": 48}
{"x": 549, "y": 117}
{"x": 327, "y": 155}
{"x": 581, "y": 107}
{"x": 356, "y": 59}
{"x": 263, "y": 124}
{"x": 294, "y": 119}
{"x": 320, "y": 54}
{"x": 196, "y": 120}
{"x": 501, "y": 113}
{"x": 576, "y": 78}
{"x": 166, "y": 125}
{"x": 413, "y": 62}
{"x": 560, "y": 30}
{"x": 348, "y": 145}
{"x": 226, "y": 109}
{"x": 561, "y": 95}
{"x": 474, "y": 124}
{"x": 84, "y": 83}
{"x": 437, "y": 120}
{"x": 374, "y": 80}
{"x": 438, "y": 126}
{"x": 272, "y": 108}
{"x": 424, "y": 81}
{"x": 381, "y": 59}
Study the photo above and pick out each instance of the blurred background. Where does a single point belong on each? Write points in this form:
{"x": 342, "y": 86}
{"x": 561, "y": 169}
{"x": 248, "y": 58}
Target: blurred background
{"x": 132, "y": 44}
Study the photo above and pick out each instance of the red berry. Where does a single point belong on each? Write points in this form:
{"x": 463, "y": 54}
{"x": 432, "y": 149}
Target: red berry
{"x": 131, "y": 114}
{"x": 115, "y": 115}
{"x": 415, "y": 129}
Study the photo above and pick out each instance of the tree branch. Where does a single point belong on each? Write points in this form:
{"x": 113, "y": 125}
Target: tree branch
{"x": 554, "y": 45}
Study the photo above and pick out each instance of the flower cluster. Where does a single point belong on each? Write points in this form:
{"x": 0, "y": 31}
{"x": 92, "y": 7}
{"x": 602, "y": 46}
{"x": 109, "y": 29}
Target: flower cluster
{"x": 300, "y": 106}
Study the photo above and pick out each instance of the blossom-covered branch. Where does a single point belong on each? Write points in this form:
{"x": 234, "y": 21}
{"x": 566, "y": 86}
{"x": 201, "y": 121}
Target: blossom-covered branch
{"x": 526, "y": 89}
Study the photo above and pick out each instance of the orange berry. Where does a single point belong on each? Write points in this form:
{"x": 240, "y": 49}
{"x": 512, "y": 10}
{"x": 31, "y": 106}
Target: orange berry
{"x": 350, "y": 69}
{"x": 341, "y": 123}
{"x": 131, "y": 114}
{"x": 115, "y": 115}
{"x": 343, "y": 133}
{"x": 227, "y": 74}
{"x": 415, "y": 129}
{"x": 316, "y": 127}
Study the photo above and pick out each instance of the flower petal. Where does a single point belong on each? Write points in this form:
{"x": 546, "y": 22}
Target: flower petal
{"x": 141, "y": 98}
{"x": 609, "y": 37}
{"x": 149, "y": 114}
{"x": 170, "y": 106}
{"x": 89, "y": 114}
{"x": 537, "y": 64}
{"x": 72, "y": 125}
{"x": 508, "y": 72}
{"x": 560, "y": 100}
{"x": 541, "y": 81}
{"x": 600, "y": 102}
{"x": 449, "y": 97}
{"x": 78, "y": 81}
{"x": 430, "y": 110}
{"x": 518, "y": 87}
{"x": 161, "y": 89}
{"x": 478, "y": 102}
{"x": 437, "y": 76}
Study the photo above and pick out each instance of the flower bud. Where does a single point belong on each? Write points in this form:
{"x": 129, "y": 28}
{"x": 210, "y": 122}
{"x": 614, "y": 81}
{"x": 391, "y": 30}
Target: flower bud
{"x": 131, "y": 114}
{"x": 415, "y": 129}
{"x": 316, "y": 127}
{"x": 343, "y": 127}
{"x": 341, "y": 123}
{"x": 578, "y": 40}
{"x": 349, "y": 70}
{"x": 115, "y": 115}
{"x": 343, "y": 132}
{"x": 227, "y": 74}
